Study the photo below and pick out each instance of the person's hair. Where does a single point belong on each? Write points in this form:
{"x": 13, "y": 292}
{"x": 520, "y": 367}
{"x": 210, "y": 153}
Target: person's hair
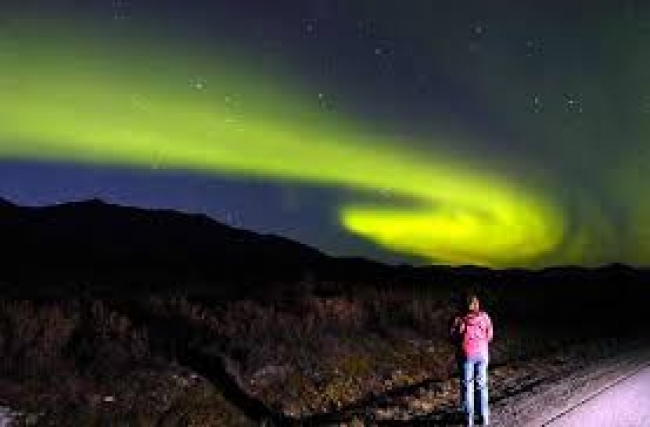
{"x": 469, "y": 301}
{"x": 462, "y": 300}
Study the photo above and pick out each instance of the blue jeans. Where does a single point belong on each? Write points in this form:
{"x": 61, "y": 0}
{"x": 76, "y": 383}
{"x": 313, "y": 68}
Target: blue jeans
{"x": 474, "y": 370}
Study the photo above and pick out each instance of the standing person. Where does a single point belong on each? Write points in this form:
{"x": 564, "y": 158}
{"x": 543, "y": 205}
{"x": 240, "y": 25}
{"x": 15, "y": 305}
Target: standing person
{"x": 472, "y": 332}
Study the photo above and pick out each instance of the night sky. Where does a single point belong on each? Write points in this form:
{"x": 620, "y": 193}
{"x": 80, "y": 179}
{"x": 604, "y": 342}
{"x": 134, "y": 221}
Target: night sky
{"x": 496, "y": 133}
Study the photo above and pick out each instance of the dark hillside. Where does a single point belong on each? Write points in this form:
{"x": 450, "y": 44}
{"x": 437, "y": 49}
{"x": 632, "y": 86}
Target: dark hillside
{"x": 92, "y": 241}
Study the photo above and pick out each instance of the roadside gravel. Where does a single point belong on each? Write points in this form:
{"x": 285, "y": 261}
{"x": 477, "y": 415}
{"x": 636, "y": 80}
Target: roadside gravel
{"x": 553, "y": 396}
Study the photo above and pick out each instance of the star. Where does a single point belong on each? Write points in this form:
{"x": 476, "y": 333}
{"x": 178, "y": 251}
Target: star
{"x": 533, "y": 47}
{"x": 198, "y": 83}
{"x": 325, "y": 101}
{"x": 537, "y": 104}
{"x": 573, "y": 104}
{"x": 310, "y": 28}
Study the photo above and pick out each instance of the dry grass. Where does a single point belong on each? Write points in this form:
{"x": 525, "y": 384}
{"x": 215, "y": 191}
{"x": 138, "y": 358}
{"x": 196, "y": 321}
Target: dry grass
{"x": 93, "y": 361}
{"x": 66, "y": 364}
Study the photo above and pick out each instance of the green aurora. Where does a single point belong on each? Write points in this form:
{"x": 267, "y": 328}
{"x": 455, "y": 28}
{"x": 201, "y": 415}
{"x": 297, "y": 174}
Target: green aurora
{"x": 69, "y": 96}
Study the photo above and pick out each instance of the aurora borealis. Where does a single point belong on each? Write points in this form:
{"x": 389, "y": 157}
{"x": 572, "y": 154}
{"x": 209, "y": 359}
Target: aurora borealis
{"x": 472, "y": 134}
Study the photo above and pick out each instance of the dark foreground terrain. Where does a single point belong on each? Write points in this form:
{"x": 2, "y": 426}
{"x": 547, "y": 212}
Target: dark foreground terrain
{"x": 261, "y": 329}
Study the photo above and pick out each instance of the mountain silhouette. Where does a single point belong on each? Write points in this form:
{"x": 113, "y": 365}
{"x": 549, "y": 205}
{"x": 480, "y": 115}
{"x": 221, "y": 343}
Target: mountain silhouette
{"x": 94, "y": 240}
{"x": 91, "y": 243}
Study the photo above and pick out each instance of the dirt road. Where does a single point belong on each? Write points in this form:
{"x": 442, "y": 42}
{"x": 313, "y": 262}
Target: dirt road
{"x": 612, "y": 392}
{"x": 626, "y": 403}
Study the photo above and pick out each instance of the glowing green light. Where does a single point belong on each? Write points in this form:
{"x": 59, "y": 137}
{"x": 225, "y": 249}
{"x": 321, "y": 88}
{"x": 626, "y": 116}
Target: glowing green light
{"x": 65, "y": 99}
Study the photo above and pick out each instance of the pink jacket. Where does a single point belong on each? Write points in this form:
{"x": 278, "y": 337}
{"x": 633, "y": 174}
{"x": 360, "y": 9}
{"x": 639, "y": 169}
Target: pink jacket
{"x": 473, "y": 332}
